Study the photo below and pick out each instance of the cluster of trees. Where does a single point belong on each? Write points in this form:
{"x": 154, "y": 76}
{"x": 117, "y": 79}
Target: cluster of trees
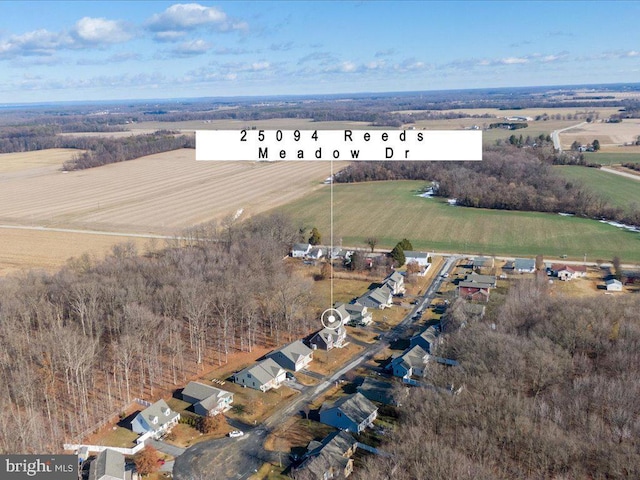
{"x": 78, "y": 345}
{"x": 508, "y": 178}
{"x": 102, "y": 151}
{"x": 632, "y": 166}
{"x": 397, "y": 253}
{"x": 546, "y": 388}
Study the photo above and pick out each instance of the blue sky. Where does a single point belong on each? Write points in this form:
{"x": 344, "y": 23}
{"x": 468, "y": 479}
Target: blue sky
{"x": 60, "y": 51}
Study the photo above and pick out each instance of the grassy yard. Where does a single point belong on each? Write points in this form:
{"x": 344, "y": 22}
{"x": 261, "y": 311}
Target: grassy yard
{"x": 391, "y": 211}
{"x": 612, "y": 158}
{"x": 251, "y": 405}
{"x": 115, "y": 436}
{"x": 618, "y": 190}
{"x": 326, "y": 362}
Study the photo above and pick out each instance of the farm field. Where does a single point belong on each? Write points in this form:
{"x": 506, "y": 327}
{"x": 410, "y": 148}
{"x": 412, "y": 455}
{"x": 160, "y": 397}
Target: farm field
{"x": 23, "y": 161}
{"x": 603, "y": 112}
{"x": 160, "y": 193}
{"x": 614, "y": 158}
{"x": 620, "y": 191}
{"x": 391, "y": 211}
{"x": 24, "y": 249}
{"x": 271, "y": 124}
{"x": 608, "y": 134}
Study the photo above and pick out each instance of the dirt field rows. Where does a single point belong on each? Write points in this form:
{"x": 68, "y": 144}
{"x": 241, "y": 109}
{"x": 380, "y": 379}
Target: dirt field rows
{"x": 159, "y": 193}
{"x": 608, "y": 134}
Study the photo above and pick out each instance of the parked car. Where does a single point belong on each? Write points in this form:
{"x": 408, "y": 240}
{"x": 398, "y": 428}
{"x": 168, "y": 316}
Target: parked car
{"x": 236, "y": 433}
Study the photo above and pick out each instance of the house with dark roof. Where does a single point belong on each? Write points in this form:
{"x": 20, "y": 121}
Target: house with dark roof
{"x": 207, "y": 400}
{"x": 300, "y": 250}
{"x": 328, "y": 338}
{"x": 155, "y": 420}
{"x": 476, "y": 287}
{"x": 379, "y": 391}
{"x": 352, "y": 413}
{"x": 378, "y": 298}
{"x": 108, "y": 465}
{"x": 411, "y": 363}
{"x": 481, "y": 263}
{"x": 262, "y": 376}
{"x": 294, "y": 356}
{"x": 331, "y": 457}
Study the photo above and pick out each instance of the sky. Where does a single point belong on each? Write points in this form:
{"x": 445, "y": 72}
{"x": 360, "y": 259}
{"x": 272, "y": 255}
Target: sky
{"x": 80, "y": 51}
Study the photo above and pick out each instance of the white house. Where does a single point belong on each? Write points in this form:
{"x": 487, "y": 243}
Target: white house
{"x": 157, "y": 419}
{"x": 294, "y": 356}
{"x": 300, "y": 250}
{"x": 614, "y": 285}
{"x": 421, "y": 258}
{"x": 395, "y": 282}
{"x": 262, "y": 376}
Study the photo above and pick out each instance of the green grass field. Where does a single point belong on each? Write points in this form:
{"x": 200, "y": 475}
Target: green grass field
{"x": 391, "y": 211}
{"x": 609, "y": 158}
{"x": 618, "y": 190}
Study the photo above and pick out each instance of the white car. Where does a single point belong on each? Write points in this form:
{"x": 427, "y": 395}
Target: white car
{"x": 236, "y": 433}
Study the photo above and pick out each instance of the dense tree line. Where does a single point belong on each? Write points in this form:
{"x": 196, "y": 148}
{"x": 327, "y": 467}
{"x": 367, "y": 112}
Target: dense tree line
{"x": 78, "y": 345}
{"x": 546, "y": 388}
{"x": 507, "y": 178}
{"x": 103, "y": 151}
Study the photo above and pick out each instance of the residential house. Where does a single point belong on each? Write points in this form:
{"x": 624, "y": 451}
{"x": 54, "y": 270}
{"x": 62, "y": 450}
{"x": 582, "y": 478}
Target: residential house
{"x": 395, "y": 282}
{"x": 155, "y": 420}
{"x": 482, "y": 263}
{"x": 207, "y": 400}
{"x": 315, "y": 253}
{"x": 300, "y": 250}
{"x": 566, "y": 272}
{"x": 108, "y": 465}
{"x": 426, "y": 339}
{"x": 476, "y": 287}
{"x": 358, "y": 314}
{"x": 262, "y": 376}
{"x": 524, "y": 265}
{"x": 343, "y": 313}
{"x": 379, "y": 391}
{"x": 352, "y": 413}
{"x": 378, "y": 298}
{"x": 330, "y": 458}
{"x": 614, "y": 285}
{"x": 328, "y": 338}
{"x": 421, "y": 258}
{"x": 412, "y": 362}
{"x": 294, "y": 356}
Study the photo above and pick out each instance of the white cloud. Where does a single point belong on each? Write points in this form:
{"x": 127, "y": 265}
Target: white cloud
{"x": 38, "y": 42}
{"x": 101, "y": 31}
{"x": 183, "y": 17}
{"x": 513, "y": 60}
{"x": 258, "y": 66}
{"x": 193, "y": 47}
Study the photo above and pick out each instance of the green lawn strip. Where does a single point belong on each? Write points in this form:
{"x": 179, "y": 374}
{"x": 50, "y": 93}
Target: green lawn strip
{"x": 391, "y": 211}
{"x": 612, "y": 158}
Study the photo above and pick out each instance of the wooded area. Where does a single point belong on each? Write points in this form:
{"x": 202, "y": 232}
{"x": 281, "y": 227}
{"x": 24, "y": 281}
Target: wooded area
{"x": 79, "y": 345}
{"x": 547, "y": 387}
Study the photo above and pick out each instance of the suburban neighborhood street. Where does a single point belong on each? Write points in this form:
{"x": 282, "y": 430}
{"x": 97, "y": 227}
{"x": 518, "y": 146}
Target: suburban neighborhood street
{"x": 231, "y": 458}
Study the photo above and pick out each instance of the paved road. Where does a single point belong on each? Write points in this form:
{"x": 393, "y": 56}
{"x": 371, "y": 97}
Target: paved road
{"x": 622, "y": 174}
{"x": 555, "y": 135}
{"x": 238, "y": 458}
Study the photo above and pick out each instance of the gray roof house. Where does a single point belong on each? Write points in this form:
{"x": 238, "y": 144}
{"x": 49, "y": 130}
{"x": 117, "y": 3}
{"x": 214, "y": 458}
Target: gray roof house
{"x": 156, "y": 419}
{"x": 352, "y": 413}
{"x": 328, "y": 338}
{"x": 483, "y": 262}
{"x": 378, "y": 298}
{"x": 421, "y": 258}
{"x": 613, "y": 285}
{"x": 344, "y": 313}
{"x": 330, "y": 458}
{"x": 294, "y": 356}
{"x": 207, "y": 400}
{"x": 378, "y": 391}
{"x": 359, "y": 314}
{"x": 524, "y": 265}
{"x": 395, "y": 282}
{"x": 426, "y": 339}
{"x": 108, "y": 465}
{"x": 412, "y": 362}
{"x": 300, "y": 250}
{"x": 263, "y": 376}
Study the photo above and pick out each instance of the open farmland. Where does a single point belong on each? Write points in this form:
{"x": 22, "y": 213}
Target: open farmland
{"x": 271, "y": 124}
{"x": 160, "y": 193}
{"x": 22, "y": 161}
{"x": 619, "y": 191}
{"x": 608, "y": 134}
{"x": 629, "y": 155}
{"x": 390, "y": 211}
